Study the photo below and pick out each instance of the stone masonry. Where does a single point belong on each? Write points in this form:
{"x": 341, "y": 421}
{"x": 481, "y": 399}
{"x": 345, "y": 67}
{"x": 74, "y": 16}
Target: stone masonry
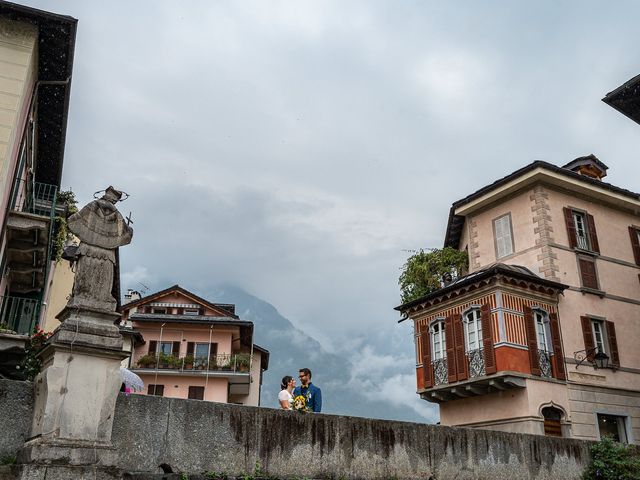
{"x": 544, "y": 233}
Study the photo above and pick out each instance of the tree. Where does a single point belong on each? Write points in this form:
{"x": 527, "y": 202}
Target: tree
{"x": 425, "y": 271}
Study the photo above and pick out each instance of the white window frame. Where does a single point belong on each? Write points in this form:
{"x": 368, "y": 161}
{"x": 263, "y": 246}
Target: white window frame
{"x": 598, "y": 330}
{"x": 580, "y": 224}
{"x": 503, "y": 236}
{"x": 195, "y": 349}
{"x": 624, "y": 425}
{"x": 438, "y": 340}
{"x": 472, "y": 325}
{"x": 543, "y": 330}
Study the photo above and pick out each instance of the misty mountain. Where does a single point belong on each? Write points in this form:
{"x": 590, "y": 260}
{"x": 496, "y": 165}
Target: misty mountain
{"x": 291, "y": 349}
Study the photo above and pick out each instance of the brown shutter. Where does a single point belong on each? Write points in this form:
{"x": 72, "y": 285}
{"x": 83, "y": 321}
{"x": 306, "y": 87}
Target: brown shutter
{"x": 487, "y": 339}
{"x": 556, "y": 343}
{"x": 532, "y": 341}
{"x": 190, "y": 348}
{"x": 153, "y": 347}
{"x": 588, "y": 273}
{"x": 175, "y": 349}
{"x": 635, "y": 244}
{"x": 571, "y": 227}
{"x": 452, "y": 371}
{"x": 180, "y": 311}
{"x": 587, "y": 334}
{"x": 213, "y": 350}
{"x": 613, "y": 344}
{"x": 593, "y": 237}
{"x": 461, "y": 358}
{"x": 425, "y": 346}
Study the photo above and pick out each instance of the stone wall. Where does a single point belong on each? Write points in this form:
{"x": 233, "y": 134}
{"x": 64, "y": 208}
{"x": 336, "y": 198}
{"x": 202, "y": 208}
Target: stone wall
{"x": 194, "y": 436}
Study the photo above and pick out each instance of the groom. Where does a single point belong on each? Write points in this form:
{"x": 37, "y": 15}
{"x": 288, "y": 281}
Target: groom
{"x": 309, "y": 391}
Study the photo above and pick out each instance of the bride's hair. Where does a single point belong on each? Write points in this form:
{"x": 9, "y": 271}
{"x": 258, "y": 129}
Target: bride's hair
{"x": 285, "y": 382}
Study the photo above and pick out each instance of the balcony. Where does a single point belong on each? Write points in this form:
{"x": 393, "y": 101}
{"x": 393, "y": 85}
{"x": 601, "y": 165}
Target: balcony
{"x": 29, "y": 230}
{"x": 19, "y": 314}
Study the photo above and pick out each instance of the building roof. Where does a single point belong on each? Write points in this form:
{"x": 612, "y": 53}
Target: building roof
{"x": 172, "y": 318}
{"x": 626, "y": 99}
{"x": 455, "y": 222}
{"x": 226, "y": 307}
{"x": 513, "y": 271}
{"x": 56, "y": 44}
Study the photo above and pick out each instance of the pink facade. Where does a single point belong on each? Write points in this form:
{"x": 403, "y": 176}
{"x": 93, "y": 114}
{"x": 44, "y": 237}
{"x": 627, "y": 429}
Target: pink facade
{"x": 194, "y": 349}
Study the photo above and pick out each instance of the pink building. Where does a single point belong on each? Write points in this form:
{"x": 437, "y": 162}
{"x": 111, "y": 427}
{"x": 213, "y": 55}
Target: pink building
{"x": 541, "y": 336}
{"x": 193, "y": 348}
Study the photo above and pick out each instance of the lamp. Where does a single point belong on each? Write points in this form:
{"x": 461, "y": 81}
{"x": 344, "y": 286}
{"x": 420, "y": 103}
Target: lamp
{"x": 597, "y": 357}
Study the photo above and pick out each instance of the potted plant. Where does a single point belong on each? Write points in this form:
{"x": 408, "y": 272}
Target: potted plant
{"x": 164, "y": 360}
{"x": 200, "y": 363}
{"x": 188, "y": 362}
{"x": 243, "y": 362}
{"x": 146, "y": 361}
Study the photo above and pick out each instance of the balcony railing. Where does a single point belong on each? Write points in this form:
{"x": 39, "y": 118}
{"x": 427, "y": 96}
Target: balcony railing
{"x": 19, "y": 314}
{"x": 237, "y": 362}
{"x": 35, "y": 198}
{"x": 476, "y": 363}
{"x": 440, "y": 372}
{"x": 544, "y": 360}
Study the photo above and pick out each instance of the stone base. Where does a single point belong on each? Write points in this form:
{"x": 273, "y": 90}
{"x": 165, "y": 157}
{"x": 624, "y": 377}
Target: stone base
{"x": 58, "y": 472}
{"x": 72, "y": 453}
{"x": 88, "y": 327}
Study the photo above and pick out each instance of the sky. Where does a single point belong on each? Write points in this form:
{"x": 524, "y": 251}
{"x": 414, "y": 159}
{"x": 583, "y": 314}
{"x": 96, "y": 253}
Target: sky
{"x": 301, "y": 149}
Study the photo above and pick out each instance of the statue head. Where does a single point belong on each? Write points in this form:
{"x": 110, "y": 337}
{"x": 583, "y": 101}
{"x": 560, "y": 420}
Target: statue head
{"x": 112, "y": 195}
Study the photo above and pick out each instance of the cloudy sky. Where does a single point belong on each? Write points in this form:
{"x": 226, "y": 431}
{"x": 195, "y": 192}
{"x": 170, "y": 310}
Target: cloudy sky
{"x": 298, "y": 149}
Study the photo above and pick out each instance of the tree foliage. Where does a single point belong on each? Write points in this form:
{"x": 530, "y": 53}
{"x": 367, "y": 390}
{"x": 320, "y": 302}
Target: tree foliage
{"x": 613, "y": 461}
{"x": 425, "y": 270}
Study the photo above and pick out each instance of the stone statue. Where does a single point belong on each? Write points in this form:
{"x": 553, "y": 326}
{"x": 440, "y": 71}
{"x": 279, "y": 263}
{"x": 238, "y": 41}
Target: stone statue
{"x": 101, "y": 229}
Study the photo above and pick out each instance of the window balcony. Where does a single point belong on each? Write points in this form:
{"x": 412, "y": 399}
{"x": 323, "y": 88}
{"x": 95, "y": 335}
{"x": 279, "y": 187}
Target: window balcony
{"x": 474, "y": 386}
{"x": 19, "y": 314}
{"x": 171, "y": 364}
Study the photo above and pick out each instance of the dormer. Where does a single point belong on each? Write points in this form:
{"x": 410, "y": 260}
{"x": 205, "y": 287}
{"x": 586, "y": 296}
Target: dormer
{"x": 589, "y": 166}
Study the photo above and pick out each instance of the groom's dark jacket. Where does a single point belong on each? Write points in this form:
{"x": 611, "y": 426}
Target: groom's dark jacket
{"x": 312, "y": 394}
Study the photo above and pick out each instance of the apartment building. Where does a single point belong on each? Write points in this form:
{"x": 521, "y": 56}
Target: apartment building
{"x": 36, "y": 60}
{"x": 187, "y": 347}
{"x": 541, "y": 335}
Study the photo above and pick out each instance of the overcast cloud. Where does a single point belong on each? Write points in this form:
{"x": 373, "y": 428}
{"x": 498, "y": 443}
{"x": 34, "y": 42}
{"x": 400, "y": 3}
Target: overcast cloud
{"x": 298, "y": 149}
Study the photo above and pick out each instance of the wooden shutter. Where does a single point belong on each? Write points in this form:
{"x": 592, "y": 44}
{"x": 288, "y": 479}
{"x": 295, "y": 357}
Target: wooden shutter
{"x": 452, "y": 371}
{"x": 532, "y": 341}
{"x": 613, "y": 344}
{"x": 635, "y": 244}
{"x": 196, "y": 393}
{"x": 461, "y": 358}
{"x": 593, "y": 237}
{"x": 156, "y": 390}
{"x": 153, "y": 347}
{"x": 588, "y": 273}
{"x": 571, "y": 227}
{"x": 487, "y": 339}
{"x": 190, "y": 348}
{"x": 556, "y": 343}
{"x": 175, "y": 349}
{"x": 587, "y": 334}
{"x": 425, "y": 346}
{"x": 213, "y": 349}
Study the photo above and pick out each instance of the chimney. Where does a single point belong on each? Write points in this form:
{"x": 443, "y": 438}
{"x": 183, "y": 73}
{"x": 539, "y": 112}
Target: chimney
{"x": 131, "y": 296}
{"x": 589, "y": 166}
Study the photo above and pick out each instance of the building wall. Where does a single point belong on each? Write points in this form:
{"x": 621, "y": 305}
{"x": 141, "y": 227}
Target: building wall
{"x": 177, "y": 386}
{"x": 58, "y": 290}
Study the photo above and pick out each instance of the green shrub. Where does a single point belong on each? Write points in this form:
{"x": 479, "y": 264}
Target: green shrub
{"x": 613, "y": 461}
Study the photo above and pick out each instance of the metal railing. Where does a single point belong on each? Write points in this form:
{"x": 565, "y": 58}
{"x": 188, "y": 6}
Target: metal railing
{"x": 544, "y": 360}
{"x": 235, "y": 362}
{"x": 20, "y": 314}
{"x": 33, "y": 197}
{"x": 476, "y": 363}
{"x": 440, "y": 372}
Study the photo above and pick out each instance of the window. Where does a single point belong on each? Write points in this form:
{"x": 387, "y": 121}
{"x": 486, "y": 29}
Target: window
{"x": 196, "y": 393}
{"x": 503, "y": 236}
{"x": 159, "y": 310}
{"x": 191, "y": 311}
{"x": 438, "y": 341}
{"x": 612, "y": 426}
{"x": 581, "y": 230}
{"x": 588, "y": 272}
{"x": 598, "y": 335}
{"x": 552, "y": 417}
{"x": 634, "y": 234}
{"x": 542, "y": 330}
{"x": 473, "y": 330}
{"x": 166, "y": 348}
{"x": 202, "y": 350}
{"x": 157, "y": 390}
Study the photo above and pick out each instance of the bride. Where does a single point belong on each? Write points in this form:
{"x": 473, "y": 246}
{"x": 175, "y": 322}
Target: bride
{"x": 285, "y": 397}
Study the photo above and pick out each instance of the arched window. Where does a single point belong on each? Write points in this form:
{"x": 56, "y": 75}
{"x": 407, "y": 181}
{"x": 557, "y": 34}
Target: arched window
{"x": 543, "y": 332}
{"x": 552, "y": 417}
{"x": 438, "y": 340}
{"x": 473, "y": 330}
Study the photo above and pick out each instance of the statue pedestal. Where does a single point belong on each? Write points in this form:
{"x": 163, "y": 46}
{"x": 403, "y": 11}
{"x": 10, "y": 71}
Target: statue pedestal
{"x": 76, "y": 392}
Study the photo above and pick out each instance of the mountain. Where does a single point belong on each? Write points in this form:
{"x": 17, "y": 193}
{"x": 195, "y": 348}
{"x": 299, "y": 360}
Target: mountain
{"x": 291, "y": 349}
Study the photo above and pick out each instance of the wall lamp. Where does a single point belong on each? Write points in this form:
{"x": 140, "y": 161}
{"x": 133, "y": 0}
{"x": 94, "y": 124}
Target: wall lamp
{"x": 594, "y": 355}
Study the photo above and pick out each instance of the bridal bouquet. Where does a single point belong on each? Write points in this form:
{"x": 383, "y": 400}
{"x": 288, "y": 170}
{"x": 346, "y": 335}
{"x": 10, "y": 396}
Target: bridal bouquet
{"x": 300, "y": 404}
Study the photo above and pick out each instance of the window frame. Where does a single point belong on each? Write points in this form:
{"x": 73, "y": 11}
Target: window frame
{"x": 159, "y": 348}
{"x": 575, "y": 214}
{"x": 195, "y": 350}
{"x": 495, "y": 235}
{"x": 191, "y": 311}
{"x": 477, "y": 321}
{"x": 546, "y": 329}
{"x": 191, "y": 395}
{"x": 152, "y": 390}
{"x": 441, "y": 352}
{"x": 623, "y": 421}
{"x": 604, "y": 339}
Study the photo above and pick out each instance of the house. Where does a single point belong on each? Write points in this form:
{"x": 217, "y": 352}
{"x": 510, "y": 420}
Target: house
{"x": 193, "y": 348}
{"x": 36, "y": 60}
{"x": 541, "y": 335}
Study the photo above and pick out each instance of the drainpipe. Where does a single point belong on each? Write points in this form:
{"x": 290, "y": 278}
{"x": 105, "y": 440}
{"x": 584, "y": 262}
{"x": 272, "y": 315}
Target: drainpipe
{"x": 155, "y": 380}
{"x": 206, "y": 378}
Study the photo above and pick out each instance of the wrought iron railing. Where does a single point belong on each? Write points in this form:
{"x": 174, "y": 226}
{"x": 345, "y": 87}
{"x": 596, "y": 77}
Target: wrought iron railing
{"x": 236, "y": 362}
{"x": 19, "y": 314}
{"x": 440, "y": 372}
{"x": 33, "y": 197}
{"x": 476, "y": 363}
{"x": 544, "y": 360}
